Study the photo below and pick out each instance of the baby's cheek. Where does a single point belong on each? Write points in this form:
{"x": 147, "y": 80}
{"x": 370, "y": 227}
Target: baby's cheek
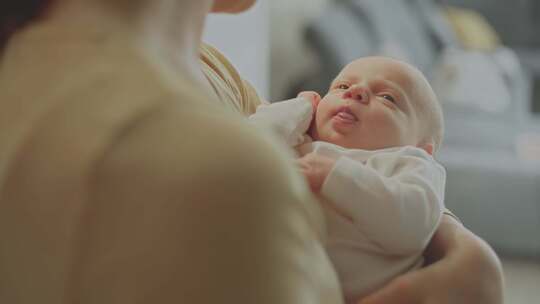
{"x": 382, "y": 119}
{"x": 322, "y": 112}
{"x": 386, "y": 128}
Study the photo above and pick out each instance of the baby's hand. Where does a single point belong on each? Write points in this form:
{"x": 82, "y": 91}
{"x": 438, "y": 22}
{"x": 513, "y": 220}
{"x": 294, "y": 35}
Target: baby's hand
{"x": 313, "y": 97}
{"x": 315, "y": 168}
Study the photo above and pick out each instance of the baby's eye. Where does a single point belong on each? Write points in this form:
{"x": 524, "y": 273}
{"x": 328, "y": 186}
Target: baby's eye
{"x": 388, "y": 97}
{"x": 343, "y": 86}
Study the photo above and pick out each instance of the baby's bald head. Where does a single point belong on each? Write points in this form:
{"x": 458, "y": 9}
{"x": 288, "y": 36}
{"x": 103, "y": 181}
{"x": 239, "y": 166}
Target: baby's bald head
{"x": 414, "y": 95}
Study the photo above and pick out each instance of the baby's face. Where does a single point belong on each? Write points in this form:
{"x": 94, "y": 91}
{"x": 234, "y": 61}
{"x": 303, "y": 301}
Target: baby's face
{"x": 372, "y": 104}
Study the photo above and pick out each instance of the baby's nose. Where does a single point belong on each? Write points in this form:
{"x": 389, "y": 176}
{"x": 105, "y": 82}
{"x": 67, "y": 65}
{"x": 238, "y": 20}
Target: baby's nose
{"x": 357, "y": 93}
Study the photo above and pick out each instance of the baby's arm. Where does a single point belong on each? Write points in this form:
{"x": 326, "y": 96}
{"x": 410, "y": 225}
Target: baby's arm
{"x": 289, "y": 119}
{"x": 395, "y": 198}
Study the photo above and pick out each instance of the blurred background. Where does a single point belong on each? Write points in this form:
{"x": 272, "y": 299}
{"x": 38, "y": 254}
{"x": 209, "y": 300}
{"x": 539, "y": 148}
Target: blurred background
{"x": 483, "y": 59}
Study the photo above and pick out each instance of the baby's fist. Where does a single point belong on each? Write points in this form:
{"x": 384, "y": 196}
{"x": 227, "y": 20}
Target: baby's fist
{"x": 315, "y": 168}
{"x": 312, "y": 97}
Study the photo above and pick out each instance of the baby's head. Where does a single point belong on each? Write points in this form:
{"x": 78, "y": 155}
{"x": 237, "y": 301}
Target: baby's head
{"x": 379, "y": 102}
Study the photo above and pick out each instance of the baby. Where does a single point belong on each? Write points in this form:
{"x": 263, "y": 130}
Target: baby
{"x": 366, "y": 149}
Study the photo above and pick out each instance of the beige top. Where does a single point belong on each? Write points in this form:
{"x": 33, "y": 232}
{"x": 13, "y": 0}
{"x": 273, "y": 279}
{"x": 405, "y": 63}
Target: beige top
{"x": 117, "y": 187}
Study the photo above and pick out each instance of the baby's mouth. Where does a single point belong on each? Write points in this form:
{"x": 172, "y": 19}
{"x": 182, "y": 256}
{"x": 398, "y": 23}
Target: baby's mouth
{"x": 345, "y": 114}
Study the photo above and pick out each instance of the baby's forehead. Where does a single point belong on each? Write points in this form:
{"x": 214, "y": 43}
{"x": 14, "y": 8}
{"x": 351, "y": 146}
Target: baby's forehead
{"x": 381, "y": 68}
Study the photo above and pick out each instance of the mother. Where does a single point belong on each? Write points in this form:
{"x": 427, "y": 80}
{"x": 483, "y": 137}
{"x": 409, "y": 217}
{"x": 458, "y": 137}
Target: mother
{"x": 127, "y": 174}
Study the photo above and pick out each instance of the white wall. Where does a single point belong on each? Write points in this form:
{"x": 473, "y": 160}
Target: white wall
{"x": 290, "y": 58}
{"x": 265, "y": 43}
{"x": 245, "y": 40}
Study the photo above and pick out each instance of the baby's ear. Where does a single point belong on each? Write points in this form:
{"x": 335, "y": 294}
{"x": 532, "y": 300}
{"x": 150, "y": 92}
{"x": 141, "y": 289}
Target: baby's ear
{"x": 428, "y": 147}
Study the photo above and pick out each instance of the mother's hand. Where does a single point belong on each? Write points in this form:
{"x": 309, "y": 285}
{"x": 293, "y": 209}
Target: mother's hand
{"x": 463, "y": 269}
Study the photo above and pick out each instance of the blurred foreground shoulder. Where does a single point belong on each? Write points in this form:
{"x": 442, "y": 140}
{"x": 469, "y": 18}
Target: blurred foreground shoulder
{"x": 208, "y": 211}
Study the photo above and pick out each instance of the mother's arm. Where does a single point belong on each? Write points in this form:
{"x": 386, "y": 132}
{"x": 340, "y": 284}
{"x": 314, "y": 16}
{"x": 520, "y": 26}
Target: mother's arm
{"x": 463, "y": 269}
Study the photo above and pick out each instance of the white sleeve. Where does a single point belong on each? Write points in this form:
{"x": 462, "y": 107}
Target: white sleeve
{"x": 394, "y": 198}
{"x": 289, "y": 119}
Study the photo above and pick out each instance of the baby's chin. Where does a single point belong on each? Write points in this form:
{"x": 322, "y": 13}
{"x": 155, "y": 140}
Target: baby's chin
{"x": 346, "y": 141}
{"x": 334, "y": 138}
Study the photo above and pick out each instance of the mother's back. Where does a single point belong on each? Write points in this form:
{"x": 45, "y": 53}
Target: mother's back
{"x": 120, "y": 184}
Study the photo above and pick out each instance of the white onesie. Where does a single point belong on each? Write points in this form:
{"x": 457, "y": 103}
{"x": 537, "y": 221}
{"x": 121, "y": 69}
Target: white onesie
{"x": 382, "y": 207}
